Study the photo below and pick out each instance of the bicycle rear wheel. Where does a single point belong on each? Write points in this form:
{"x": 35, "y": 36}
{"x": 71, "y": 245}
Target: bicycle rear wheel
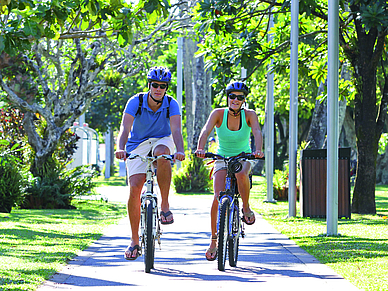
{"x": 223, "y": 233}
{"x": 149, "y": 240}
{"x": 235, "y": 236}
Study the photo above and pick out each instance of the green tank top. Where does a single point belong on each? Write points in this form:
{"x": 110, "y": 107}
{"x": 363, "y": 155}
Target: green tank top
{"x": 230, "y": 142}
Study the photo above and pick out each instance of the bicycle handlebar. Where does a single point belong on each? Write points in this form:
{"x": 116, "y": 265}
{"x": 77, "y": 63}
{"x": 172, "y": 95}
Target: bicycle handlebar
{"x": 132, "y": 156}
{"x": 242, "y": 156}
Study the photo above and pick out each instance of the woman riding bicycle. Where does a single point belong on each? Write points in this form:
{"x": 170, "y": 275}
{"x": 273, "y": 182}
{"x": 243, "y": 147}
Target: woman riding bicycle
{"x": 233, "y": 126}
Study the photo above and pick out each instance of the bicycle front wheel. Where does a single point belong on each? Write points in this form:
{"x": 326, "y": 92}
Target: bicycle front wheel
{"x": 235, "y": 236}
{"x": 149, "y": 240}
{"x": 223, "y": 232}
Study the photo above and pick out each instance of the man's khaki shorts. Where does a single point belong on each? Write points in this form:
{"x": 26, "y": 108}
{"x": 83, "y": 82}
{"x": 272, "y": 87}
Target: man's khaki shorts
{"x": 137, "y": 166}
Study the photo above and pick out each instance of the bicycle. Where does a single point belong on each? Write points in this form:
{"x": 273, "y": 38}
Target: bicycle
{"x": 150, "y": 229}
{"x": 229, "y": 226}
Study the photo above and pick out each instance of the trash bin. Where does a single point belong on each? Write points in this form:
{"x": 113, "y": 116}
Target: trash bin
{"x": 313, "y": 183}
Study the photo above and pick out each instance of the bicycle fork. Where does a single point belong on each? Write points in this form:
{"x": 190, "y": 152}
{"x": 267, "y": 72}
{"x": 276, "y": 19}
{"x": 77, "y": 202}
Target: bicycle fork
{"x": 156, "y": 230}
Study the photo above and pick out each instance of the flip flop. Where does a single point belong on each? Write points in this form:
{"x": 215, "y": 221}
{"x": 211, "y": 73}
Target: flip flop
{"x": 165, "y": 215}
{"x": 211, "y": 251}
{"x": 131, "y": 249}
{"x": 249, "y": 215}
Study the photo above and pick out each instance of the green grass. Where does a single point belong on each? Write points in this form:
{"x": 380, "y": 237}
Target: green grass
{"x": 100, "y": 181}
{"x": 359, "y": 253}
{"x": 34, "y": 244}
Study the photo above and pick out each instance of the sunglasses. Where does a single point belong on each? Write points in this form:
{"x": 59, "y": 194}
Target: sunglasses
{"x": 239, "y": 97}
{"x": 156, "y": 86}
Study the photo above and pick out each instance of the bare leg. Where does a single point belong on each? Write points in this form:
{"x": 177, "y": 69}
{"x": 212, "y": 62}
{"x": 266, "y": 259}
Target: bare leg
{"x": 218, "y": 185}
{"x": 164, "y": 179}
{"x": 244, "y": 187}
{"x": 136, "y": 183}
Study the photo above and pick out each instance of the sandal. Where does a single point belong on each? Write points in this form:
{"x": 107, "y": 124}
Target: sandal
{"x": 165, "y": 215}
{"x": 212, "y": 250}
{"x": 131, "y": 249}
{"x": 250, "y": 215}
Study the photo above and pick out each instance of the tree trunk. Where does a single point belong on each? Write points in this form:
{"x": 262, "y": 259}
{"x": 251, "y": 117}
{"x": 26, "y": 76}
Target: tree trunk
{"x": 188, "y": 59}
{"x": 317, "y": 133}
{"x": 202, "y": 100}
{"x": 367, "y": 131}
{"x": 348, "y": 134}
{"x": 43, "y": 147}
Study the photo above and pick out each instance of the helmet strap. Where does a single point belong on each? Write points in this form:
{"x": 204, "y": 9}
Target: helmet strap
{"x": 236, "y": 112}
{"x": 156, "y": 100}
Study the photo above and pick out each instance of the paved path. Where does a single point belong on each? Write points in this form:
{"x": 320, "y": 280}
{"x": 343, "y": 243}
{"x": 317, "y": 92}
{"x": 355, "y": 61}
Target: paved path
{"x": 267, "y": 259}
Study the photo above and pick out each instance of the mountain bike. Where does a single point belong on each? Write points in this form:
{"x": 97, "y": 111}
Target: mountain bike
{"x": 149, "y": 216}
{"x": 229, "y": 226}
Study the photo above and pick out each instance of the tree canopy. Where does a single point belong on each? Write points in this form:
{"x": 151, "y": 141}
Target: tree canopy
{"x": 56, "y": 56}
{"x": 236, "y": 35}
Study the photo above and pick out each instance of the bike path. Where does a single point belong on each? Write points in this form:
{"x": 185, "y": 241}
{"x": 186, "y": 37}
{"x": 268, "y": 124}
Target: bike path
{"x": 267, "y": 259}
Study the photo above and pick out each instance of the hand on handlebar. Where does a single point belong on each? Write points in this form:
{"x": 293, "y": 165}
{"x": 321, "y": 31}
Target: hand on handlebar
{"x": 179, "y": 156}
{"x": 258, "y": 154}
{"x": 200, "y": 153}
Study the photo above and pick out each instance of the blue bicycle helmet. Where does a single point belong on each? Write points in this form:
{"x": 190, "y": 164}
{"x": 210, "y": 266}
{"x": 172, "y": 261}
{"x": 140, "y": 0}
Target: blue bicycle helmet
{"x": 161, "y": 74}
{"x": 237, "y": 86}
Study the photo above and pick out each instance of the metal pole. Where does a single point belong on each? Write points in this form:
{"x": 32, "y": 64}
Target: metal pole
{"x": 107, "y": 154}
{"x": 179, "y": 80}
{"x": 293, "y": 108}
{"x": 332, "y": 119}
{"x": 179, "y": 72}
{"x": 270, "y": 127}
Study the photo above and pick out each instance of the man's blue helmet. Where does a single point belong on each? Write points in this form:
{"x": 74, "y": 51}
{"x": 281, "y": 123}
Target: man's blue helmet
{"x": 237, "y": 86}
{"x": 160, "y": 74}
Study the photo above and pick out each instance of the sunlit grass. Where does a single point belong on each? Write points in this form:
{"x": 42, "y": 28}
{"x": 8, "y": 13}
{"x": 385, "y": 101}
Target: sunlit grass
{"x": 359, "y": 253}
{"x": 34, "y": 244}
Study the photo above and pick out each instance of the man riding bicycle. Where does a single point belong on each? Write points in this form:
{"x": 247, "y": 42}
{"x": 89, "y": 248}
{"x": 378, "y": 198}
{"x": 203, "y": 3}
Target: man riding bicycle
{"x": 233, "y": 126}
{"x": 151, "y": 124}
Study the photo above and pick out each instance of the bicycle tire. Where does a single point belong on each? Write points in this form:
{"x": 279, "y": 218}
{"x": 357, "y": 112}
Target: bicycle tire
{"x": 223, "y": 233}
{"x": 149, "y": 240}
{"x": 234, "y": 237}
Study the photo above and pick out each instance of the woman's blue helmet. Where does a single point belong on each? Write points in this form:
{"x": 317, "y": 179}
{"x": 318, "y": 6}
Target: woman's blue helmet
{"x": 237, "y": 86}
{"x": 161, "y": 74}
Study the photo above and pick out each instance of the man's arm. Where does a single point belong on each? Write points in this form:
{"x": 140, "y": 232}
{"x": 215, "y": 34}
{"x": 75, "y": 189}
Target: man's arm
{"x": 176, "y": 130}
{"x": 122, "y": 138}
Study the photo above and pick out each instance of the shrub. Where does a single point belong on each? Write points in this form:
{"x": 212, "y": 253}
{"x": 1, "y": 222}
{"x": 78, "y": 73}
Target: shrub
{"x": 12, "y": 182}
{"x": 280, "y": 185}
{"x": 57, "y": 188}
{"x": 192, "y": 176}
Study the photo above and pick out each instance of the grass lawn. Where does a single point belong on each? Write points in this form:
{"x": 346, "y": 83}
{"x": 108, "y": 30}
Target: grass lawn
{"x": 359, "y": 253}
{"x": 34, "y": 244}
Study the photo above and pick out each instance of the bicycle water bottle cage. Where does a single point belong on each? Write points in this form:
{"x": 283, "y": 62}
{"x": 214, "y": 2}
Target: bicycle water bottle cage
{"x": 234, "y": 167}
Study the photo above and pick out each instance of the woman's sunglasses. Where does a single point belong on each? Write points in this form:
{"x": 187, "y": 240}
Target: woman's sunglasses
{"x": 239, "y": 97}
{"x": 156, "y": 85}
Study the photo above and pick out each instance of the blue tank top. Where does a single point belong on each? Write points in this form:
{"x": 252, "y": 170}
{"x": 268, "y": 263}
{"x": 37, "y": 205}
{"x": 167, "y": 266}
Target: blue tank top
{"x": 233, "y": 142}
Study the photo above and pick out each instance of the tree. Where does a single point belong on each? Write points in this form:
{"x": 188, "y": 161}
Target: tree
{"x": 57, "y": 56}
{"x": 363, "y": 31}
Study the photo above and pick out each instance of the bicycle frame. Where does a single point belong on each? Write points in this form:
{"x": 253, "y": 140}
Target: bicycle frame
{"x": 229, "y": 226}
{"x": 149, "y": 195}
{"x": 231, "y": 192}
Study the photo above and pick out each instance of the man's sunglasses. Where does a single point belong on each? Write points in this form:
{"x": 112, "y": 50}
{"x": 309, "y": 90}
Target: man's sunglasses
{"x": 239, "y": 97}
{"x": 156, "y": 85}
